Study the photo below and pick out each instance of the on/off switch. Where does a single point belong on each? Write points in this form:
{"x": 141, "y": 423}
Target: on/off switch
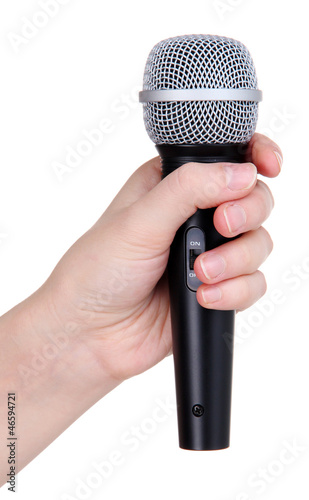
{"x": 195, "y": 245}
{"x": 193, "y": 254}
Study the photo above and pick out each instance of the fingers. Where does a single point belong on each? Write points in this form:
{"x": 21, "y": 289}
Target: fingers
{"x": 263, "y": 152}
{"x": 245, "y": 214}
{"x": 266, "y": 155}
{"x": 229, "y": 272}
{"x": 170, "y": 203}
{"x": 235, "y": 258}
{"x": 238, "y": 293}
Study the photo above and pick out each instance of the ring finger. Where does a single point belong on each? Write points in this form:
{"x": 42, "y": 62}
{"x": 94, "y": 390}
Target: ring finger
{"x": 236, "y": 258}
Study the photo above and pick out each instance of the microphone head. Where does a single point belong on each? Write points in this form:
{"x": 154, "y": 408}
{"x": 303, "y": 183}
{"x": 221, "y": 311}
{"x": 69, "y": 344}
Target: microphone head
{"x": 200, "y": 62}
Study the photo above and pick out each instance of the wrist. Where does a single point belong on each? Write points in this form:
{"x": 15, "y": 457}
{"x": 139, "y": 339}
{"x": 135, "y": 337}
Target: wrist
{"x": 42, "y": 346}
{"x": 54, "y": 375}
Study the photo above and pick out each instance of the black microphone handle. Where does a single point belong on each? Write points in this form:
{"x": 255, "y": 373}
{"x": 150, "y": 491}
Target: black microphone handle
{"x": 202, "y": 338}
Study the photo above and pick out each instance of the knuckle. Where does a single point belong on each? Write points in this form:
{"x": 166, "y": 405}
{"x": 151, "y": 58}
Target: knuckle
{"x": 245, "y": 255}
{"x": 216, "y": 180}
{"x": 205, "y": 183}
{"x": 243, "y": 295}
{"x": 184, "y": 176}
{"x": 188, "y": 177}
{"x": 266, "y": 197}
{"x": 267, "y": 239}
{"x": 263, "y": 283}
{"x": 247, "y": 291}
{"x": 178, "y": 184}
{"x": 252, "y": 288}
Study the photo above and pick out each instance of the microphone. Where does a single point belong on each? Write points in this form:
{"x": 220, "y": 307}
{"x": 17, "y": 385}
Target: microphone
{"x": 200, "y": 103}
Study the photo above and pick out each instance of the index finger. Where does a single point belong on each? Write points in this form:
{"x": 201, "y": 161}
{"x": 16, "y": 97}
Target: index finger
{"x": 265, "y": 154}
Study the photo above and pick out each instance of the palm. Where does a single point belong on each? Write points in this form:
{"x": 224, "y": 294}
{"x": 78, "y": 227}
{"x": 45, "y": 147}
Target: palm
{"x": 140, "y": 340}
{"x": 123, "y": 308}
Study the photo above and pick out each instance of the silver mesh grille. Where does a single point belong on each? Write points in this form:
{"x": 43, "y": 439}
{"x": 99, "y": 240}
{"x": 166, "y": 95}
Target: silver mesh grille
{"x": 200, "y": 61}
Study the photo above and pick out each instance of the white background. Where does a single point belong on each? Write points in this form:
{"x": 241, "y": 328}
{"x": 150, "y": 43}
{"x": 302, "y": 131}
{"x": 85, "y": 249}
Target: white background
{"x": 83, "y": 66}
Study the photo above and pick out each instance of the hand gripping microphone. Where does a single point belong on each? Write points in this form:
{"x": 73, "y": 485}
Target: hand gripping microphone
{"x": 200, "y": 103}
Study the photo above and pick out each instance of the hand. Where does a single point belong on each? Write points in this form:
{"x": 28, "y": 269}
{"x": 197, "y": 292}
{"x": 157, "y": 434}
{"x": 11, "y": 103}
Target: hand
{"x": 103, "y": 314}
{"x": 111, "y": 284}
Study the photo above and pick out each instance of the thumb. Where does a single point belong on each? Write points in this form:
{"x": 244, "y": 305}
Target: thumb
{"x": 156, "y": 216}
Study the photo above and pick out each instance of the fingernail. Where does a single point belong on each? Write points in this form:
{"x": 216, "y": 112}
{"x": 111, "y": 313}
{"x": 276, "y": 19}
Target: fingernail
{"x": 235, "y": 217}
{"x": 279, "y": 159}
{"x": 211, "y": 294}
{"x": 213, "y": 266}
{"x": 241, "y": 176}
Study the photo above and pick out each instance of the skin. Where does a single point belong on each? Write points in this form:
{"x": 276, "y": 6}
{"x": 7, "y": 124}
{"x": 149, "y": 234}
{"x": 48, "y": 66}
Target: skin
{"x": 103, "y": 314}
